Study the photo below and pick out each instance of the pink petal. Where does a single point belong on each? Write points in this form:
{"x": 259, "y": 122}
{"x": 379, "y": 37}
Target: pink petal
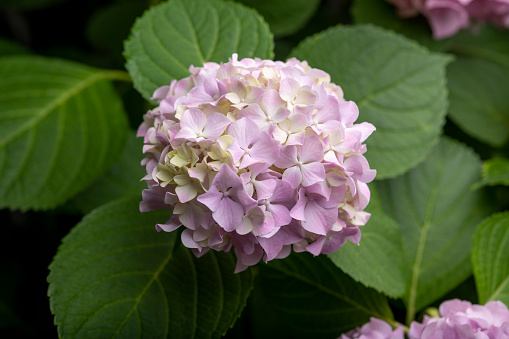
{"x": 211, "y": 199}
{"x": 188, "y": 241}
{"x": 255, "y": 113}
{"x": 287, "y": 157}
{"x": 319, "y": 220}
{"x": 215, "y": 126}
{"x": 365, "y": 128}
{"x": 237, "y": 87}
{"x": 312, "y": 150}
{"x": 446, "y": 17}
{"x": 186, "y": 133}
{"x": 349, "y": 112}
{"x": 359, "y": 167}
{"x": 272, "y": 246}
{"x": 266, "y": 227}
{"x": 283, "y": 194}
{"x": 293, "y": 176}
{"x": 312, "y": 173}
{"x": 281, "y": 115}
{"x": 298, "y": 211}
{"x": 194, "y": 119}
{"x": 194, "y": 217}
{"x": 281, "y": 215}
{"x": 305, "y": 97}
{"x": 264, "y": 188}
{"x": 244, "y": 131}
{"x": 229, "y": 214}
{"x": 271, "y": 103}
{"x": 236, "y": 151}
{"x": 329, "y": 112}
{"x": 226, "y": 178}
{"x": 288, "y": 89}
{"x": 266, "y": 149}
{"x": 171, "y": 225}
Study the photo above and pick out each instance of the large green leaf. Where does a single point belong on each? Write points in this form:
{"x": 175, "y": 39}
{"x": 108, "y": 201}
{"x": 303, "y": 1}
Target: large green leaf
{"x": 487, "y": 43}
{"x": 490, "y": 259}
{"x": 398, "y": 86}
{"x": 437, "y": 211}
{"x": 284, "y": 17}
{"x": 61, "y": 126}
{"x": 310, "y": 297}
{"x": 478, "y": 99}
{"x": 123, "y": 179}
{"x": 377, "y": 261}
{"x": 115, "y": 276}
{"x": 481, "y": 67}
{"x": 176, "y": 34}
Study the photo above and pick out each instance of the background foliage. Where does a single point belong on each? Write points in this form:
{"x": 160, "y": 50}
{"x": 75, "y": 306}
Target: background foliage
{"x": 68, "y": 111}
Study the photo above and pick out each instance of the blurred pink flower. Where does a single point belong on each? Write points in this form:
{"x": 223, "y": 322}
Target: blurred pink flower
{"x": 462, "y": 320}
{"x": 447, "y": 17}
{"x": 374, "y": 329}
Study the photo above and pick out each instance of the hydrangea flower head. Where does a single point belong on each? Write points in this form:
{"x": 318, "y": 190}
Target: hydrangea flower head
{"x": 374, "y": 329}
{"x": 259, "y": 156}
{"x": 447, "y": 17}
{"x": 461, "y": 319}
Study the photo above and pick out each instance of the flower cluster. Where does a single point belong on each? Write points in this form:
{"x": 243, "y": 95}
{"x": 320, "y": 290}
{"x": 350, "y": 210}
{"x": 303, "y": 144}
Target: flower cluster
{"x": 447, "y": 17}
{"x": 461, "y": 319}
{"x": 374, "y": 329}
{"x": 257, "y": 155}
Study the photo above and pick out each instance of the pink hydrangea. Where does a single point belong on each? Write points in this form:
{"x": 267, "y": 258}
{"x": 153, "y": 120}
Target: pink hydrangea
{"x": 447, "y": 17}
{"x": 257, "y": 155}
{"x": 462, "y": 320}
{"x": 374, "y": 329}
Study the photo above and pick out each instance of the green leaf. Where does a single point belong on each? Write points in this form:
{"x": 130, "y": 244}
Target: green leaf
{"x": 123, "y": 179}
{"x": 489, "y": 43}
{"x": 485, "y": 114}
{"x": 490, "y": 259}
{"x": 377, "y": 261}
{"x": 176, "y": 34}
{"x": 398, "y": 86}
{"x": 312, "y": 297}
{"x": 437, "y": 212}
{"x": 495, "y": 171}
{"x": 61, "y": 126}
{"x": 284, "y": 17}
{"x": 114, "y": 275}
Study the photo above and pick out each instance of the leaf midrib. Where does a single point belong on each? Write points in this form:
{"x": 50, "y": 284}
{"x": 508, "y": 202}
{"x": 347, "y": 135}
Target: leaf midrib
{"x": 145, "y": 289}
{"x": 412, "y": 297}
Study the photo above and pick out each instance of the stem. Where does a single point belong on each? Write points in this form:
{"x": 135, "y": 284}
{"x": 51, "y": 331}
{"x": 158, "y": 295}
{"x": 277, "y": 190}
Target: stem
{"x": 117, "y": 75}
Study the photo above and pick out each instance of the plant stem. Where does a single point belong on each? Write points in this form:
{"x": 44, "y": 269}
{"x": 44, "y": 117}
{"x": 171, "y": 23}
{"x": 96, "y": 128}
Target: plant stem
{"x": 117, "y": 75}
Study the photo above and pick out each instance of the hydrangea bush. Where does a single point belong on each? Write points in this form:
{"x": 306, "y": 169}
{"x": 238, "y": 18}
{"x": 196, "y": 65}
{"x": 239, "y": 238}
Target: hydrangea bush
{"x": 254, "y": 122}
{"x": 259, "y": 155}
